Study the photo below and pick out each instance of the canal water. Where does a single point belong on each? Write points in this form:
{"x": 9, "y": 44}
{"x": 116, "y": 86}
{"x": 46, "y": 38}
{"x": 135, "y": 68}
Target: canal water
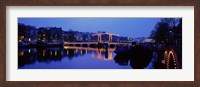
{"x": 70, "y": 58}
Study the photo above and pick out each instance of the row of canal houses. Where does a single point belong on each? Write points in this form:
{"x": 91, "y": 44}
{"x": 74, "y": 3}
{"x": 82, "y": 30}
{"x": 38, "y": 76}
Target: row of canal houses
{"x": 55, "y": 35}
{"x": 30, "y": 34}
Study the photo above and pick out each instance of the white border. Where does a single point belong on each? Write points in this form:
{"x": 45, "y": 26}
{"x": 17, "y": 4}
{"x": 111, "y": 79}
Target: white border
{"x": 185, "y": 74}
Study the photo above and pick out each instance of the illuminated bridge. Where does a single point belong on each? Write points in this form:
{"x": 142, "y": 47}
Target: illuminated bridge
{"x": 99, "y": 41}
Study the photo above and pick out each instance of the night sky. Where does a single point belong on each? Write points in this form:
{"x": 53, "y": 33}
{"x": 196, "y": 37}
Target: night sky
{"x": 130, "y": 27}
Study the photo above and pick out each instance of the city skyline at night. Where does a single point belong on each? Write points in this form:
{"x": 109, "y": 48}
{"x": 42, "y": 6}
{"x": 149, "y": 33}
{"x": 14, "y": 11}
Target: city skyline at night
{"x": 131, "y": 27}
{"x": 99, "y": 43}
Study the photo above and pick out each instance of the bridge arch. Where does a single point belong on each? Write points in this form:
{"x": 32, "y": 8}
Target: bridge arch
{"x": 171, "y": 59}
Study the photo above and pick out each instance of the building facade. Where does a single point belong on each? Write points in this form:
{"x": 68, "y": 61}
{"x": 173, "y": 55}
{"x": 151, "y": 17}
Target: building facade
{"x": 26, "y": 33}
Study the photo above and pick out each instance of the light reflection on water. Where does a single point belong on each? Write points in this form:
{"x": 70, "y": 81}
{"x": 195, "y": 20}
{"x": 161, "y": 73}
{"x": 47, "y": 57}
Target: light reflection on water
{"x": 68, "y": 58}
{"x": 100, "y": 53}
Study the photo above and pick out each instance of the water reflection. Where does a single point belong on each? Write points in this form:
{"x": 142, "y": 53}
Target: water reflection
{"x": 33, "y": 56}
{"x": 71, "y": 57}
{"x": 100, "y": 53}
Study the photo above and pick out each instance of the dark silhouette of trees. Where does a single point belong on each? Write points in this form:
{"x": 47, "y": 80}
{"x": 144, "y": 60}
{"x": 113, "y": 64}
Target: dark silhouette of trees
{"x": 168, "y": 31}
{"x": 161, "y": 33}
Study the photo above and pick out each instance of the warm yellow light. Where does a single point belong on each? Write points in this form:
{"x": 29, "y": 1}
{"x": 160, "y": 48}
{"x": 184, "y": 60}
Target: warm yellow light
{"x": 21, "y": 53}
{"x": 173, "y": 56}
{"x": 55, "y": 53}
{"x": 51, "y": 53}
{"x": 43, "y": 52}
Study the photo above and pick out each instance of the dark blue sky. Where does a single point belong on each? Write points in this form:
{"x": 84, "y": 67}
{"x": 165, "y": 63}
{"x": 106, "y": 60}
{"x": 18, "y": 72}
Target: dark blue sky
{"x": 131, "y": 27}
